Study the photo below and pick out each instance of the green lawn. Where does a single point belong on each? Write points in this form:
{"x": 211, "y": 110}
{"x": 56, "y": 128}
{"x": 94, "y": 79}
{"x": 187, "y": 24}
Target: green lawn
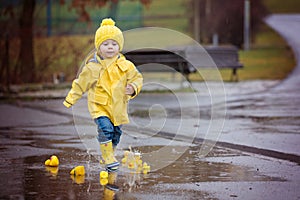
{"x": 286, "y": 6}
{"x": 172, "y": 14}
{"x": 269, "y": 58}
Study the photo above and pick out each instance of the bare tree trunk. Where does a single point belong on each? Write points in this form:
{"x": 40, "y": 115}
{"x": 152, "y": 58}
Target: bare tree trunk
{"x": 6, "y": 64}
{"x": 25, "y": 68}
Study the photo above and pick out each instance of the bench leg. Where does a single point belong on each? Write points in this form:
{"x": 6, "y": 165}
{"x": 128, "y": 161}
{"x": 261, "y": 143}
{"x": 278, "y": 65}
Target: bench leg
{"x": 234, "y": 76}
{"x": 187, "y": 77}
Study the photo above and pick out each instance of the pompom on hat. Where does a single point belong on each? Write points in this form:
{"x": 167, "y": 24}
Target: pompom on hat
{"x": 108, "y": 30}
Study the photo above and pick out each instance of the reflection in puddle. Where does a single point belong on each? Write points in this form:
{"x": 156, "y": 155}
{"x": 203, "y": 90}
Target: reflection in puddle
{"x": 30, "y": 179}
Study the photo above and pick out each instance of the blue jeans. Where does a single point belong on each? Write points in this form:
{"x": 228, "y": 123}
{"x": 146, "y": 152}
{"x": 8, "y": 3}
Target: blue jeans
{"x": 107, "y": 131}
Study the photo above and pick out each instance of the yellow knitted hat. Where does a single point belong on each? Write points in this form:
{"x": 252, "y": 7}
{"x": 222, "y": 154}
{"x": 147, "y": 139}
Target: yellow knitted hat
{"x": 108, "y": 30}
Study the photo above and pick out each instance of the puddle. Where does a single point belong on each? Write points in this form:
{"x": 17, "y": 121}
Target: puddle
{"x": 28, "y": 178}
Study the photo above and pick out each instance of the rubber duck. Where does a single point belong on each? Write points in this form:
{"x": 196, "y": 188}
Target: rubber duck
{"x": 52, "y": 162}
{"x": 102, "y": 161}
{"x": 124, "y": 160}
{"x": 52, "y": 170}
{"x": 146, "y": 166}
{"x": 126, "y": 153}
{"x": 139, "y": 163}
{"x": 137, "y": 156}
{"x": 78, "y": 179}
{"x": 131, "y": 165}
{"x": 78, "y": 171}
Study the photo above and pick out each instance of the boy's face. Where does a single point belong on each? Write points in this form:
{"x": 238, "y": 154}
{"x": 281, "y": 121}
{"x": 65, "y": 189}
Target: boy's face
{"x": 108, "y": 49}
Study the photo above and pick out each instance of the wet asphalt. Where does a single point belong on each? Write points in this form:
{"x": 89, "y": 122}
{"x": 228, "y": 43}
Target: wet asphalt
{"x": 254, "y": 156}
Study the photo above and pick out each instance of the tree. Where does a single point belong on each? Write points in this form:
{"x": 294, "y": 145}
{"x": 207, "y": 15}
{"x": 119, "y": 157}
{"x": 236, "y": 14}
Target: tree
{"x": 24, "y": 70}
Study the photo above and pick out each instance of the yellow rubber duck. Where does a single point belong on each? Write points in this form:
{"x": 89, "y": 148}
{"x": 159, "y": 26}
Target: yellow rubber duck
{"x": 140, "y": 163}
{"x": 126, "y": 153}
{"x": 78, "y": 179}
{"x": 52, "y": 162}
{"x": 53, "y": 170}
{"x": 131, "y": 165}
{"x": 146, "y": 166}
{"x": 78, "y": 171}
{"x": 124, "y": 160}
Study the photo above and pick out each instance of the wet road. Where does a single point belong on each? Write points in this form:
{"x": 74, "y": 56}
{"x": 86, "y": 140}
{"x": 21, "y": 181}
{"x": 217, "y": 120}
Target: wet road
{"x": 189, "y": 177}
{"x": 267, "y": 121}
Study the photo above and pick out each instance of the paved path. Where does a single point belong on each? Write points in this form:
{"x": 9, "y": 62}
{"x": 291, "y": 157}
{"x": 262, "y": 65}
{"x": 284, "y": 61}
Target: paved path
{"x": 275, "y": 113}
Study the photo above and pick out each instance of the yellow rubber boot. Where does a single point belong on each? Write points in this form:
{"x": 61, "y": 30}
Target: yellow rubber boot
{"x": 102, "y": 161}
{"x": 108, "y": 194}
{"x": 112, "y": 177}
{"x": 111, "y": 163}
{"x": 110, "y": 188}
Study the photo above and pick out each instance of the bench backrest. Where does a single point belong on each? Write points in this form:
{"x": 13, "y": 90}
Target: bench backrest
{"x": 185, "y": 59}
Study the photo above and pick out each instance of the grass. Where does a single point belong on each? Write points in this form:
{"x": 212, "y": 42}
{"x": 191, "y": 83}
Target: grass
{"x": 61, "y": 54}
{"x": 287, "y": 6}
{"x": 173, "y": 16}
{"x": 268, "y": 59}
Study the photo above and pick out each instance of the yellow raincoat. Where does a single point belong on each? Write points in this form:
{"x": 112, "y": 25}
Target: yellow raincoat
{"x": 105, "y": 81}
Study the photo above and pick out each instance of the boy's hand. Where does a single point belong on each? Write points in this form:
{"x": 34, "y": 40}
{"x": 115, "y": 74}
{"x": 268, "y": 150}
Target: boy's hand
{"x": 129, "y": 90}
{"x": 67, "y": 104}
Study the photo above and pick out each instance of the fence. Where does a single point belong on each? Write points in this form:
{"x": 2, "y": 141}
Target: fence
{"x": 53, "y": 18}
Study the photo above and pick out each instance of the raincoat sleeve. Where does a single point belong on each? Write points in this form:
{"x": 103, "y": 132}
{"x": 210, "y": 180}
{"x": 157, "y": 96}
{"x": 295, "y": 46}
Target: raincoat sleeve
{"x": 79, "y": 86}
{"x": 135, "y": 79}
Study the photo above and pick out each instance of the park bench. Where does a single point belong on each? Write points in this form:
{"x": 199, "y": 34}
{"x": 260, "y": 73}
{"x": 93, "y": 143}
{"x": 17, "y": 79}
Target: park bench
{"x": 186, "y": 59}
